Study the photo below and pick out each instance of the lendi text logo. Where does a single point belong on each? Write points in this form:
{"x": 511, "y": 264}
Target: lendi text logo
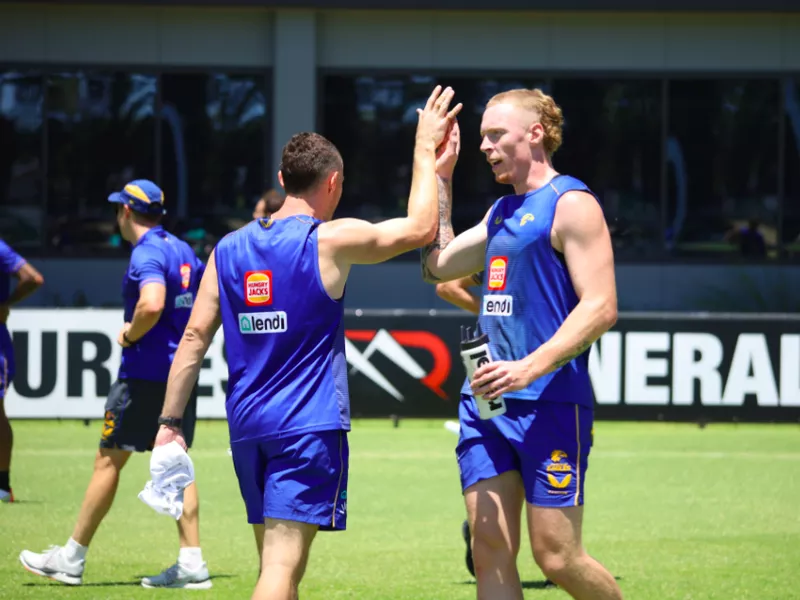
{"x": 265, "y": 322}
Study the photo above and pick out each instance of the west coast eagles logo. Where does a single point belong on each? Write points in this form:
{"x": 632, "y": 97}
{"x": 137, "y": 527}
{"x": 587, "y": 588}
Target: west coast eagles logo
{"x": 108, "y": 425}
{"x": 557, "y": 466}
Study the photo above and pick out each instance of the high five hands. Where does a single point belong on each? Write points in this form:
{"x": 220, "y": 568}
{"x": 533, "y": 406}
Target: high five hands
{"x": 437, "y": 123}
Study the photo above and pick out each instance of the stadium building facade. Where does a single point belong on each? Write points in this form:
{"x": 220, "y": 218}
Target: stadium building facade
{"x": 684, "y": 118}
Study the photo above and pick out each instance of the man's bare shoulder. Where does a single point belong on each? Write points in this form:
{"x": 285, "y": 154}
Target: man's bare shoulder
{"x": 578, "y": 209}
{"x": 577, "y": 199}
{"x": 337, "y": 229}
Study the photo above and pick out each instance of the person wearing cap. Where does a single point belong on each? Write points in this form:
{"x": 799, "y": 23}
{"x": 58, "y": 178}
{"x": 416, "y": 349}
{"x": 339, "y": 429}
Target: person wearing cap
{"x": 159, "y": 289}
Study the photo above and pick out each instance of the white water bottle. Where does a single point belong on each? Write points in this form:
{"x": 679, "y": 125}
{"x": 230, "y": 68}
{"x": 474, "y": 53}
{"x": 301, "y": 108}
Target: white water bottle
{"x": 474, "y": 354}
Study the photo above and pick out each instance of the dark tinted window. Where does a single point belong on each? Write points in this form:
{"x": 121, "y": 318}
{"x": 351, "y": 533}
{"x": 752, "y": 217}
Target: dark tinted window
{"x": 21, "y": 164}
{"x": 213, "y": 140}
{"x": 723, "y": 167}
{"x": 612, "y": 142}
{"x": 791, "y": 170}
{"x": 101, "y": 134}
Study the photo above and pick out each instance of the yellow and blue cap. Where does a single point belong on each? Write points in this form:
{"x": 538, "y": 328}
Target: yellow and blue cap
{"x": 141, "y": 195}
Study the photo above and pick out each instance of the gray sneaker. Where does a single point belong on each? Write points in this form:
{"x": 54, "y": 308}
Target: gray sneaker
{"x": 53, "y": 563}
{"x": 178, "y": 576}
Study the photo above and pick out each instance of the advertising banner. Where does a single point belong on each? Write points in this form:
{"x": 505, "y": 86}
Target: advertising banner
{"x": 406, "y": 363}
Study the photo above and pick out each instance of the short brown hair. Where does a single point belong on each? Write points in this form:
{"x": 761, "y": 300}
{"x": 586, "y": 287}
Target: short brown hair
{"x": 273, "y": 201}
{"x": 306, "y": 159}
{"x": 546, "y": 109}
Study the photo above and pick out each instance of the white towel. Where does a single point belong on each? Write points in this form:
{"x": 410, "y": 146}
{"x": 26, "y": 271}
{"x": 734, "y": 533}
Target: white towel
{"x": 171, "y": 471}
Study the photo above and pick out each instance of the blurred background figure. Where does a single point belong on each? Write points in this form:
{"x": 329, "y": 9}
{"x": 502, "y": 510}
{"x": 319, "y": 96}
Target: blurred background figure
{"x": 28, "y": 280}
{"x": 749, "y": 239}
{"x": 269, "y": 203}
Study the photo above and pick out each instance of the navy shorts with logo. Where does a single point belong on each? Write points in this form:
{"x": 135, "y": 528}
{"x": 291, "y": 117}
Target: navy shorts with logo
{"x": 132, "y": 410}
{"x": 548, "y": 443}
{"x": 297, "y": 478}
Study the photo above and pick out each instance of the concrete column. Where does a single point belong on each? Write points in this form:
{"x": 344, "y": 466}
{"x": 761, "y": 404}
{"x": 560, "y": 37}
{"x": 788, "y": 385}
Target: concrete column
{"x": 294, "y": 91}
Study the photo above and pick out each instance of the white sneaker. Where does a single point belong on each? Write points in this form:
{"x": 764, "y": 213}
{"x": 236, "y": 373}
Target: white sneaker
{"x": 178, "y": 576}
{"x": 6, "y": 497}
{"x": 53, "y": 563}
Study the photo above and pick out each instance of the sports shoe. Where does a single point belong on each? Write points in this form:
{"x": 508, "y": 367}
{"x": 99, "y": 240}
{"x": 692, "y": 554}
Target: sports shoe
{"x": 6, "y": 497}
{"x": 53, "y": 563}
{"x": 178, "y": 576}
{"x": 467, "y": 539}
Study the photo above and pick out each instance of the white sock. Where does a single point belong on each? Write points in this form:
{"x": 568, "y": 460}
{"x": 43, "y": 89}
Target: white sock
{"x": 74, "y": 551}
{"x": 191, "y": 558}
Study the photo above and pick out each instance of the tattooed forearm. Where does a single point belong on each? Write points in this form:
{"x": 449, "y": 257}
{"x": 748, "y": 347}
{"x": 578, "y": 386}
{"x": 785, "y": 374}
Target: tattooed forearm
{"x": 427, "y": 275}
{"x": 584, "y": 346}
{"x": 444, "y": 234}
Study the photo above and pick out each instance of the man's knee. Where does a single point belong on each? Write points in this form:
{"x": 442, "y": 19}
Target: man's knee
{"x": 494, "y": 507}
{"x": 553, "y": 564}
{"x": 557, "y": 561}
{"x": 492, "y": 546}
{"x": 108, "y": 460}
{"x": 286, "y": 546}
{"x": 556, "y": 540}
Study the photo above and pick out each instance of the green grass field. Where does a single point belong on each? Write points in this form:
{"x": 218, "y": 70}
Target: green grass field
{"x": 674, "y": 511}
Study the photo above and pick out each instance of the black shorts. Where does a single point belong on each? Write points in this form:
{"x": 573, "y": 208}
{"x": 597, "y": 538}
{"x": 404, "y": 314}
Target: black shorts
{"x": 132, "y": 410}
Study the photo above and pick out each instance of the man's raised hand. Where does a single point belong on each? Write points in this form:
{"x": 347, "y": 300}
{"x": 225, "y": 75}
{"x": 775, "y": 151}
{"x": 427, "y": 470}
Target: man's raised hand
{"x": 447, "y": 153}
{"x": 435, "y": 120}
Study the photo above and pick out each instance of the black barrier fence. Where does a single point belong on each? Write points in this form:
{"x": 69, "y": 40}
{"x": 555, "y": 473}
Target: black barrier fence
{"x": 650, "y": 366}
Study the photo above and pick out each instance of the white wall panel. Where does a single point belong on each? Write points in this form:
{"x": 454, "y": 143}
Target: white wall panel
{"x": 790, "y": 38}
{"x": 382, "y": 39}
{"x": 607, "y": 41}
{"x": 557, "y": 41}
{"x": 524, "y": 44}
{"x": 135, "y": 35}
{"x": 216, "y": 37}
{"x": 399, "y": 39}
{"x": 85, "y": 34}
{"x": 723, "y": 42}
{"x": 22, "y": 34}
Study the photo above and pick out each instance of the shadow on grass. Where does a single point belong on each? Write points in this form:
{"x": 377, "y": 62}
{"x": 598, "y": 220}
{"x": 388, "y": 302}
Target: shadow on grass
{"x": 136, "y": 583}
{"x": 526, "y": 585}
{"x": 542, "y": 584}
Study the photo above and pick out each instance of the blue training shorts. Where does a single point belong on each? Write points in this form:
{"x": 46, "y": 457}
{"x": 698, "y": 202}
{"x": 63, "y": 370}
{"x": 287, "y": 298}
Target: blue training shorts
{"x": 548, "y": 443}
{"x": 297, "y": 478}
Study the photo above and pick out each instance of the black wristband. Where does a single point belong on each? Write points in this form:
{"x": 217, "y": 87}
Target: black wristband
{"x": 128, "y": 340}
{"x": 170, "y": 422}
